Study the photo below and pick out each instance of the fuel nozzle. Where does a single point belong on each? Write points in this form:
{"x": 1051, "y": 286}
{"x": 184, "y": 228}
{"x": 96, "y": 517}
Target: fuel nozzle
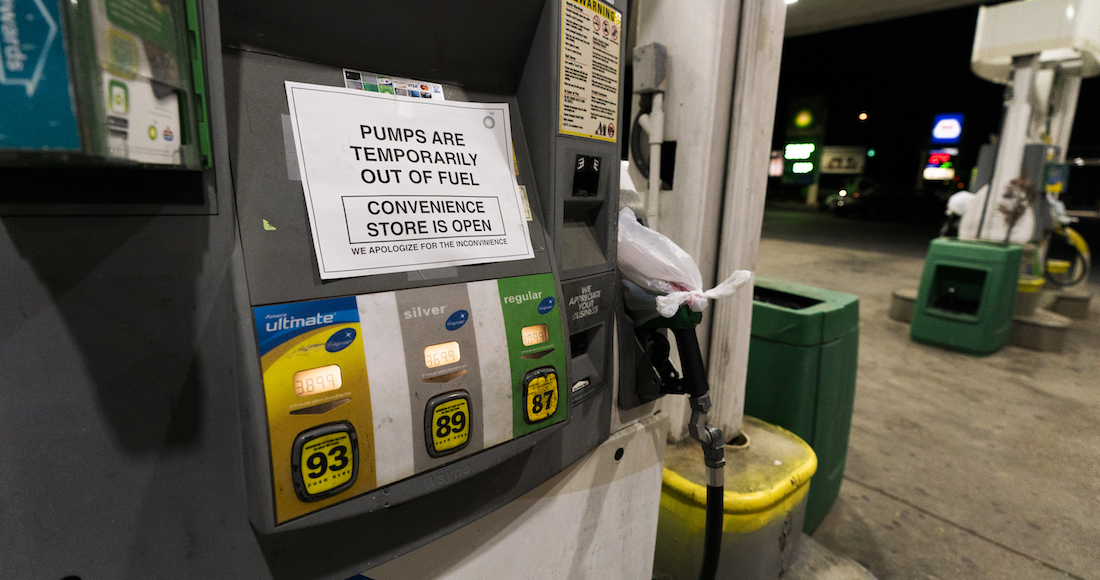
{"x": 710, "y": 438}
{"x": 649, "y": 333}
{"x": 693, "y": 382}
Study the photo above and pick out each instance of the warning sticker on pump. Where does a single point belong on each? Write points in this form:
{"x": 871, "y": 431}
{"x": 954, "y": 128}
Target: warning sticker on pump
{"x": 589, "y": 83}
{"x": 398, "y": 184}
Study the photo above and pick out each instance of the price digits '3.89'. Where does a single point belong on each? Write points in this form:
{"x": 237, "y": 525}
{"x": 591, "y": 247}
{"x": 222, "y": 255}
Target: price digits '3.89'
{"x": 318, "y": 380}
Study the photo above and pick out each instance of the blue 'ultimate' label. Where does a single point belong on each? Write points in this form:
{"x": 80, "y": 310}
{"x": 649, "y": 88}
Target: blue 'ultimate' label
{"x": 281, "y": 322}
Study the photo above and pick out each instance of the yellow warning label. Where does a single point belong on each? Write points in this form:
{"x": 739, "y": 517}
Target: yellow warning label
{"x": 589, "y": 84}
{"x": 326, "y": 462}
{"x": 451, "y": 425}
{"x": 542, "y": 398}
{"x": 601, "y": 9}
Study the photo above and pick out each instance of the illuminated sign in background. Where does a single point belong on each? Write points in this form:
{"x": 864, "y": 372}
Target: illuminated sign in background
{"x": 843, "y": 160}
{"x": 941, "y": 164}
{"x": 805, "y": 137}
{"x": 803, "y": 118}
{"x": 947, "y": 129}
{"x": 775, "y": 164}
{"x": 799, "y": 150}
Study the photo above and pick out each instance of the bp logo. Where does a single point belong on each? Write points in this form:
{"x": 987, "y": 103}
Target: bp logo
{"x": 27, "y": 32}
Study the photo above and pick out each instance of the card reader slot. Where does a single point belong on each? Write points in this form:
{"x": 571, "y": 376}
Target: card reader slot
{"x": 583, "y": 229}
{"x": 537, "y": 355}
{"x": 446, "y": 378}
{"x": 322, "y": 408}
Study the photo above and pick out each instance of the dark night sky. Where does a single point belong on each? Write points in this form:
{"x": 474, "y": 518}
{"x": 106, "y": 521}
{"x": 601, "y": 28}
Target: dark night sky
{"x": 902, "y": 73}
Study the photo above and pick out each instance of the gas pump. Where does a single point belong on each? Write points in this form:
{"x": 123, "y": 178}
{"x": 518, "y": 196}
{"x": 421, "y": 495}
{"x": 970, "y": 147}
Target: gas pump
{"x": 1041, "y": 50}
{"x": 384, "y": 312}
{"x": 434, "y": 320}
{"x": 287, "y": 357}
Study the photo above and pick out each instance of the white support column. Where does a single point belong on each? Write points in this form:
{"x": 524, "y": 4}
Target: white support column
{"x": 754, "y": 101}
{"x": 701, "y": 38}
{"x": 1067, "y": 88}
{"x": 1010, "y": 152}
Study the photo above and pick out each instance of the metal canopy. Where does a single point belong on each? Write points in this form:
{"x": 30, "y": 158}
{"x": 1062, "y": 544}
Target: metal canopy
{"x": 810, "y": 16}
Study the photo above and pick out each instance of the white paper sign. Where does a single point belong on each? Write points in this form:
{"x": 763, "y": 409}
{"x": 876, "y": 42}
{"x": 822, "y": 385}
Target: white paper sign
{"x": 394, "y": 184}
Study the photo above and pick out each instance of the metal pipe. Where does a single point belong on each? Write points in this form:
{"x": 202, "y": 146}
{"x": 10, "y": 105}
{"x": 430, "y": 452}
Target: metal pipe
{"x": 656, "y": 130}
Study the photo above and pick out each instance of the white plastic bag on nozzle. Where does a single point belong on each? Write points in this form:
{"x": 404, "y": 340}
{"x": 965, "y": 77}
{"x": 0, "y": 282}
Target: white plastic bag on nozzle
{"x": 651, "y": 260}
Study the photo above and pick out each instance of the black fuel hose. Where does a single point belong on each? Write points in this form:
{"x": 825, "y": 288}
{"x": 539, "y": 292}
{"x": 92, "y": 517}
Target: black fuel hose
{"x": 697, "y": 387}
{"x": 712, "y": 536}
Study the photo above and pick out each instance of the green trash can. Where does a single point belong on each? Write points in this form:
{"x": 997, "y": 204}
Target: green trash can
{"x": 802, "y": 375}
{"x": 967, "y": 295}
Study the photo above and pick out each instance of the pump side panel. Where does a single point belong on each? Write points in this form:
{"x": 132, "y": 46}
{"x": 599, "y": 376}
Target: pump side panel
{"x": 123, "y": 454}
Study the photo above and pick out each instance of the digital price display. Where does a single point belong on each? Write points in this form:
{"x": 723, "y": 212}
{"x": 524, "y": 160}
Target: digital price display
{"x": 438, "y": 355}
{"x": 324, "y": 461}
{"x": 536, "y": 334}
{"x": 447, "y": 423}
{"x": 318, "y": 380}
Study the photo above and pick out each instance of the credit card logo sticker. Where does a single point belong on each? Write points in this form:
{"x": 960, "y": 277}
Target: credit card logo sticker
{"x": 457, "y": 319}
{"x": 546, "y": 305}
{"x": 341, "y": 340}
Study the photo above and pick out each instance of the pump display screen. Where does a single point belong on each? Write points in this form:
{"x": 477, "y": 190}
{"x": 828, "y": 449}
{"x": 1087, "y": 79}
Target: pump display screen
{"x": 536, "y": 334}
{"x": 438, "y": 355}
{"x": 318, "y": 380}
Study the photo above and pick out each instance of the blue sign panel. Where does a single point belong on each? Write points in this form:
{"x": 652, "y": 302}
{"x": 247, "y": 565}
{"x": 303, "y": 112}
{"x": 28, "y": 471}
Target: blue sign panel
{"x": 36, "y": 105}
{"x": 947, "y": 129}
{"x": 281, "y": 322}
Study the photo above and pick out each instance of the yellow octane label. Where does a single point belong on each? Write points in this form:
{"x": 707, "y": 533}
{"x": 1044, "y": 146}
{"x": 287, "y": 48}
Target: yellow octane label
{"x": 542, "y": 397}
{"x": 451, "y": 424}
{"x": 326, "y": 462}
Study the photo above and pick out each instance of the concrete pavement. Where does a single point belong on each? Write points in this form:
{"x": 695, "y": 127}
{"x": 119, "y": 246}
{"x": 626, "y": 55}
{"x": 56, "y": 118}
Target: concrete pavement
{"x": 958, "y": 466}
